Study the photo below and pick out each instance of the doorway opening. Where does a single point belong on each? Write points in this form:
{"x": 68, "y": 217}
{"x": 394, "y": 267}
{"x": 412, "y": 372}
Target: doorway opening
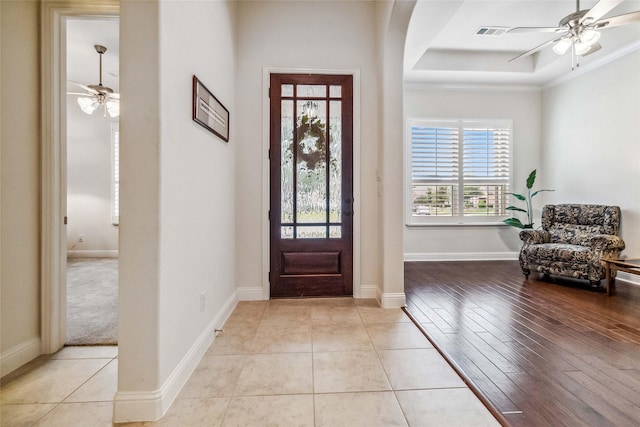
{"x": 92, "y": 180}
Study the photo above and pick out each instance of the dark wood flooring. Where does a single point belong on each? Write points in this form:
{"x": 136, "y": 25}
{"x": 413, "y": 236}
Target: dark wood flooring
{"x": 541, "y": 353}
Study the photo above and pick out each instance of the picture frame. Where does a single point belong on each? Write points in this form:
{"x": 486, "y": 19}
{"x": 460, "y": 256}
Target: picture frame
{"x": 208, "y": 112}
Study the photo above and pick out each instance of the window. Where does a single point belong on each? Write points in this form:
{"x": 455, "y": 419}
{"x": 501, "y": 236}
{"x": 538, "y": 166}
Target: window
{"x": 115, "y": 173}
{"x": 458, "y": 171}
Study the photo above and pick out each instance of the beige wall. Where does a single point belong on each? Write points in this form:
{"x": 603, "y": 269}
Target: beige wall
{"x": 310, "y": 35}
{"x": 591, "y": 142}
{"x": 523, "y": 107}
{"x": 20, "y": 217}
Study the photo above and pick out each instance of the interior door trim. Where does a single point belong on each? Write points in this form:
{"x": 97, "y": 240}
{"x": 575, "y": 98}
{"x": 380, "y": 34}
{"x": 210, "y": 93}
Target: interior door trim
{"x": 53, "y": 296}
{"x": 266, "y": 73}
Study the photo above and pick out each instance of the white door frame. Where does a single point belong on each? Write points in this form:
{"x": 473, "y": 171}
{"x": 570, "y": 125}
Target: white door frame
{"x": 53, "y": 251}
{"x": 266, "y": 179}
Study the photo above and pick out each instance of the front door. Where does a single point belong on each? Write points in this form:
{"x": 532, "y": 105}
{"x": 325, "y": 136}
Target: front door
{"x": 311, "y": 161}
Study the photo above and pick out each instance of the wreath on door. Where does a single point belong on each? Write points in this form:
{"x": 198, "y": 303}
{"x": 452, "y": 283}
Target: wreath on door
{"x": 312, "y": 141}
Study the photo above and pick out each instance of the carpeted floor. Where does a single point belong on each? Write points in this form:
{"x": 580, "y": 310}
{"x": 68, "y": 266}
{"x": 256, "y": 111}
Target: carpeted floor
{"x": 92, "y": 301}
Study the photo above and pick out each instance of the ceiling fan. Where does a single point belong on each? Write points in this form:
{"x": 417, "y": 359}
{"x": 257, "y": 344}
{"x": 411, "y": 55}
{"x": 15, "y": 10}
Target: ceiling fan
{"x": 579, "y": 31}
{"x": 97, "y": 96}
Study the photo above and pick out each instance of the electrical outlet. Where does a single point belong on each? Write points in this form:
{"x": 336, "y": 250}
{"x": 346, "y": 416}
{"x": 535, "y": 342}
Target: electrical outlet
{"x": 80, "y": 238}
{"x": 202, "y": 301}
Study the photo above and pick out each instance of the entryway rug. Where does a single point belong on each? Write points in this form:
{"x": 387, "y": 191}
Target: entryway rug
{"x": 92, "y": 301}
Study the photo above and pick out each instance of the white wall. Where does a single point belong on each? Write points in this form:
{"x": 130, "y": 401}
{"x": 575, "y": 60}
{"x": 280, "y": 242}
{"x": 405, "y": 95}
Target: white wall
{"x": 89, "y": 183}
{"x": 312, "y": 35}
{"x": 523, "y": 107}
{"x": 20, "y": 214}
{"x": 591, "y": 142}
{"x": 177, "y": 198}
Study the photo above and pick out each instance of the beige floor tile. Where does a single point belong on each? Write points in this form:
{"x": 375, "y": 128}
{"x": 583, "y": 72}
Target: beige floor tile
{"x": 366, "y": 302}
{"x": 418, "y": 369}
{"x": 329, "y": 315}
{"x": 295, "y": 338}
{"x": 284, "y": 316}
{"x": 233, "y": 341}
{"x": 348, "y": 371}
{"x": 455, "y": 407}
{"x": 350, "y": 337}
{"x": 382, "y": 315}
{"x": 215, "y": 376}
{"x": 194, "y": 412}
{"x": 243, "y": 319}
{"x": 101, "y": 387}
{"x": 358, "y": 410}
{"x": 397, "y": 336}
{"x": 285, "y": 410}
{"x": 87, "y": 352}
{"x": 23, "y": 415}
{"x": 247, "y": 306}
{"x": 287, "y": 373}
{"x": 94, "y": 414}
{"x": 51, "y": 382}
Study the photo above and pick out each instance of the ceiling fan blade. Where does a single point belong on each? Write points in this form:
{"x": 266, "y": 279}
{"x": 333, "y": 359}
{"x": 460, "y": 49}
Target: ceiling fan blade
{"x": 113, "y": 95}
{"x": 539, "y": 47}
{"x": 536, "y": 30}
{"x": 599, "y": 10}
{"x": 79, "y": 94}
{"x": 87, "y": 88}
{"x": 616, "y": 21}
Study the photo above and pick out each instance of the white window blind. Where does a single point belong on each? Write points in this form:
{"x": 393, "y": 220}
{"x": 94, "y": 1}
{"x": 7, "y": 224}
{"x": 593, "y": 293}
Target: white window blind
{"x": 459, "y": 170}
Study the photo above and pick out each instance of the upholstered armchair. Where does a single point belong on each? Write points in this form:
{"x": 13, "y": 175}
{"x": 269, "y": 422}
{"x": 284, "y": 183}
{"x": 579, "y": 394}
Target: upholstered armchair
{"x": 573, "y": 240}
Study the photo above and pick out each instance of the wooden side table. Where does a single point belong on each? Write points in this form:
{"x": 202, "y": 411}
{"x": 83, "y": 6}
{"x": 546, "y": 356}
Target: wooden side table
{"x": 631, "y": 266}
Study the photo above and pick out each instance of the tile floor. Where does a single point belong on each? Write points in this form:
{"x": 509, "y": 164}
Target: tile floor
{"x": 313, "y": 362}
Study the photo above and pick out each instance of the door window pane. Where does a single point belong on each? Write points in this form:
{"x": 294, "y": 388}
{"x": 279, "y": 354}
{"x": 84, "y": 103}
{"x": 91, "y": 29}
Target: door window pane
{"x": 287, "y": 90}
{"x": 335, "y": 161}
{"x": 308, "y": 232}
{"x": 311, "y": 168}
{"x": 335, "y": 91}
{"x": 286, "y": 159}
{"x": 312, "y": 91}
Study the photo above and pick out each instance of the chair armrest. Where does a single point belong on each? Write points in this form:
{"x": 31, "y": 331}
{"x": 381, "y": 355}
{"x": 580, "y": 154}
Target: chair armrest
{"x": 606, "y": 242}
{"x": 534, "y": 237}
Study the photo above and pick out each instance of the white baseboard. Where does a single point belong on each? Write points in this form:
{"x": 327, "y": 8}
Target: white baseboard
{"x": 392, "y": 299}
{"x": 368, "y": 291}
{"x": 131, "y": 406}
{"x": 20, "y": 354}
{"x": 629, "y": 278}
{"x": 461, "y": 256}
{"x": 253, "y": 293}
{"x": 92, "y": 254}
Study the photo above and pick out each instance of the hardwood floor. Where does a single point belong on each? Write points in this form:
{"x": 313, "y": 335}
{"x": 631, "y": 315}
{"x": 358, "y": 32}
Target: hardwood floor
{"x": 541, "y": 353}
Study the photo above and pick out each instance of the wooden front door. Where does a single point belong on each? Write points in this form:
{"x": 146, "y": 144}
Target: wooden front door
{"x": 311, "y": 161}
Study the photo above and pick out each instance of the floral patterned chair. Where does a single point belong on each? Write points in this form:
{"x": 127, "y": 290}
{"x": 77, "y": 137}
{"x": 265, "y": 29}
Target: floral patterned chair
{"x": 573, "y": 240}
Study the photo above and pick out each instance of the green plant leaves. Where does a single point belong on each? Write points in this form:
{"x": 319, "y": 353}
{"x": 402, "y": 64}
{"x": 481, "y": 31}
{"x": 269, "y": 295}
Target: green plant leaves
{"x": 514, "y": 222}
{"x": 531, "y": 179}
{"x": 515, "y": 208}
{"x": 539, "y": 191}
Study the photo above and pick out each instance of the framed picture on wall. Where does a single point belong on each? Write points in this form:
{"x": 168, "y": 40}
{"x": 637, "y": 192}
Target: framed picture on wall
{"x": 209, "y": 112}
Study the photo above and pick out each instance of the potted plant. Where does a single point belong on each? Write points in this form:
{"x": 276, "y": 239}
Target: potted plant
{"x": 515, "y": 222}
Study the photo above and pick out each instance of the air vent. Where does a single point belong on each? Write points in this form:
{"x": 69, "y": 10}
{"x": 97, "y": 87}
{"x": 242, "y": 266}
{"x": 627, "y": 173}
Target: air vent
{"x": 491, "y": 31}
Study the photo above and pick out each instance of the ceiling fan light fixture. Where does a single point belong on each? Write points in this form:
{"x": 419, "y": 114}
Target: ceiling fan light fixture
{"x": 113, "y": 108}
{"x": 562, "y": 46}
{"x": 581, "y": 47}
{"x": 590, "y": 37}
{"x": 88, "y": 105}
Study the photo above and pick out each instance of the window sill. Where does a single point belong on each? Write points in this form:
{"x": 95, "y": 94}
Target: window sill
{"x": 459, "y": 224}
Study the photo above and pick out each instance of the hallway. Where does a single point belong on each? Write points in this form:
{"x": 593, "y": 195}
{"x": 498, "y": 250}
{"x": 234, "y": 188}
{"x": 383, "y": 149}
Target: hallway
{"x": 322, "y": 362}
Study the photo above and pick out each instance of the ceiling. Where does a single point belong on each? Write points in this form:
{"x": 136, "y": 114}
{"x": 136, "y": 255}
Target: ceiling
{"x": 83, "y": 62}
{"x": 442, "y": 46}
